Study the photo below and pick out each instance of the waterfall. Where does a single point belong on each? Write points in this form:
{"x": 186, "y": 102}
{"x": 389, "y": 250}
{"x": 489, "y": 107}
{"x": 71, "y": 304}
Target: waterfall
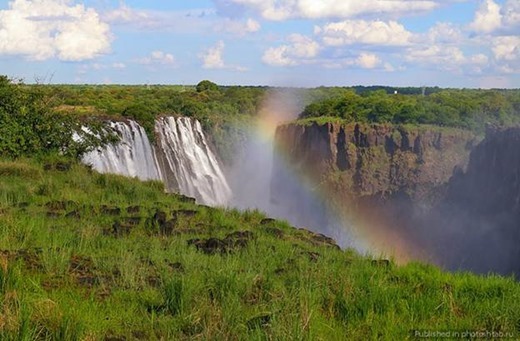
{"x": 133, "y": 156}
{"x": 188, "y": 164}
{"x": 182, "y": 159}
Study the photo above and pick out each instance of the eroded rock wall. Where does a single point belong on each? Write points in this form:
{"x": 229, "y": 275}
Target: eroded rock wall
{"x": 358, "y": 160}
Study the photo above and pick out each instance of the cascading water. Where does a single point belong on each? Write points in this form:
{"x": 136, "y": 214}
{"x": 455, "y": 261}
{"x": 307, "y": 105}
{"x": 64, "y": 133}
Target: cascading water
{"x": 133, "y": 156}
{"x": 188, "y": 164}
{"x": 182, "y": 159}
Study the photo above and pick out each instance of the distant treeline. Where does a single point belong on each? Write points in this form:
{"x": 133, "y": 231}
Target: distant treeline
{"x": 225, "y": 111}
{"x": 464, "y": 108}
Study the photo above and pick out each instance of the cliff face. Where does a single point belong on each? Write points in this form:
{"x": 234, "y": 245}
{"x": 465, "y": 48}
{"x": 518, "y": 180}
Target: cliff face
{"x": 427, "y": 193}
{"x": 366, "y": 160}
{"x": 477, "y": 225}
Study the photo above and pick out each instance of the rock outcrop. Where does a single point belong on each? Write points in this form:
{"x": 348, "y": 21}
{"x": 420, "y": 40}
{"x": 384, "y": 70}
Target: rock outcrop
{"x": 382, "y": 160}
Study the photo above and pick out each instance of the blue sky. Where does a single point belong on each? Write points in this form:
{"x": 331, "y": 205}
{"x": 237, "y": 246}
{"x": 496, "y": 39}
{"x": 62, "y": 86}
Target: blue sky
{"x": 447, "y": 43}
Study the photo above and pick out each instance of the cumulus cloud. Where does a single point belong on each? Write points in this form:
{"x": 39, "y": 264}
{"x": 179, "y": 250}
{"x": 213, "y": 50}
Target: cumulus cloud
{"x": 487, "y": 18}
{"x": 496, "y": 29}
{"x": 506, "y": 48}
{"x": 124, "y": 14}
{"x": 45, "y": 29}
{"x": 312, "y": 9}
{"x": 239, "y": 28}
{"x": 299, "y": 49}
{"x": 436, "y": 54}
{"x": 443, "y": 32}
{"x": 158, "y": 57}
{"x": 368, "y": 60}
{"x": 192, "y": 20}
{"x": 491, "y": 18}
{"x": 364, "y": 32}
{"x": 448, "y": 58}
{"x": 511, "y": 14}
{"x": 212, "y": 58}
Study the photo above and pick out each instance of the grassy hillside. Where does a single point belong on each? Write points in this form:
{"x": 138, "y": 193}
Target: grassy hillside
{"x": 95, "y": 257}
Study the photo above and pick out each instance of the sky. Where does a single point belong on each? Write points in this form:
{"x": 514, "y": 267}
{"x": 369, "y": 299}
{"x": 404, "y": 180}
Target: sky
{"x": 303, "y": 43}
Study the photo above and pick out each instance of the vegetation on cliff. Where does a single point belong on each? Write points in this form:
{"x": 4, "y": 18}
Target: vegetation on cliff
{"x": 85, "y": 256}
{"x": 469, "y": 109}
{"x": 30, "y": 125}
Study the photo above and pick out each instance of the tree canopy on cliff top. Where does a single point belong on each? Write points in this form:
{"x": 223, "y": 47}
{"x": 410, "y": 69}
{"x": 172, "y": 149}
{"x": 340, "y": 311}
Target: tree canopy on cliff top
{"x": 469, "y": 109}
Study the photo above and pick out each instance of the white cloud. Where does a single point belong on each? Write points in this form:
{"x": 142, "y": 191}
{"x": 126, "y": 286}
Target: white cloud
{"x": 45, "y": 29}
{"x": 487, "y": 18}
{"x": 511, "y": 14}
{"x": 239, "y": 28}
{"x": 124, "y": 14}
{"x": 364, "y": 32}
{"x": 368, "y": 60}
{"x": 491, "y": 18}
{"x": 446, "y": 56}
{"x": 443, "y": 32}
{"x": 278, "y": 56}
{"x": 479, "y": 59}
{"x": 299, "y": 49}
{"x": 158, "y": 57}
{"x": 191, "y": 20}
{"x": 212, "y": 57}
{"x": 389, "y": 67}
{"x": 506, "y": 48}
{"x": 119, "y": 65}
{"x": 313, "y": 9}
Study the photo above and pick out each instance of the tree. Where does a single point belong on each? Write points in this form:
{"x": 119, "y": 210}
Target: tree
{"x": 29, "y": 126}
{"x": 206, "y": 85}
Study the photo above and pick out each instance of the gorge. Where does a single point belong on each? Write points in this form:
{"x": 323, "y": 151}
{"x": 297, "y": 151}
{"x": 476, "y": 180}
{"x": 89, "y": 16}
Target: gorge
{"x": 408, "y": 192}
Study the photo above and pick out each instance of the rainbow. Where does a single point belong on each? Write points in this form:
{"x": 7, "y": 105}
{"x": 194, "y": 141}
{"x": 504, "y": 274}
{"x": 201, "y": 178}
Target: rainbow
{"x": 368, "y": 231}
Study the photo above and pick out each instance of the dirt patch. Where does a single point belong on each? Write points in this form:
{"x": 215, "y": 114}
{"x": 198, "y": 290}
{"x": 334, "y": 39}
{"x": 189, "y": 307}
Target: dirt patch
{"x": 110, "y": 210}
{"x": 23, "y": 204}
{"x": 119, "y": 229}
{"x": 166, "y": 228}
{"x": 381, "y": 263}
{"x": 82, "y": 269}
{"x": 185, "y": 213}
{"x": 313, "y": 256}
{"x": 276, "y": 232}
{"x": 260, "y": 321}
{"x": 186, "y": 199}
{"x": 58, "y": 166}
{"x": 317, "y": 239}
{"x": 60, "y": 205}
{"x": 133, "y": 209}
{"x": 267, "y": 221}
{"x": 73, "y": 214}
{"x": 52, "y": 214}
{"x": 176, "y": 266}
{"x": 31, "y": 257}
{"x": 131, "y": 221}
{"x": 232, "y": 242}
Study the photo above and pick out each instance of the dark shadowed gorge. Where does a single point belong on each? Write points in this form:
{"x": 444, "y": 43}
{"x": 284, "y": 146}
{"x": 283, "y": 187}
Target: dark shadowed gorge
{"x": 412, "y": 192}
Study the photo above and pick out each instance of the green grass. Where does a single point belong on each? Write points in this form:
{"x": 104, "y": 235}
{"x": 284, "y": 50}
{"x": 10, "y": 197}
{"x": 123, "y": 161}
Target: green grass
{"x": 74, "y": 278}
